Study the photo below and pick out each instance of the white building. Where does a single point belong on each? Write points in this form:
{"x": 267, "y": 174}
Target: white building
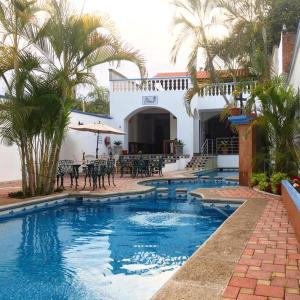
{"x": 153, "y": 111}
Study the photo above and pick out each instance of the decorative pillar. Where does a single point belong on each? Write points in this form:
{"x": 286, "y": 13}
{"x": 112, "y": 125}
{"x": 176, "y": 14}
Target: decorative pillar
{"x": 247, "y": 147}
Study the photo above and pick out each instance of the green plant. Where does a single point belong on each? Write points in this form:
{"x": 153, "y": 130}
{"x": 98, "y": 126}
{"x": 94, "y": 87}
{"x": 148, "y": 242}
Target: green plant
{"x": 224, "y": 146}
{"x": 179, "y": 143}
{"x": 276, "y": 179}
{"x": 279, "y": 116}
{"x": 260, "y": 180}
{"x": 41, "y": 66}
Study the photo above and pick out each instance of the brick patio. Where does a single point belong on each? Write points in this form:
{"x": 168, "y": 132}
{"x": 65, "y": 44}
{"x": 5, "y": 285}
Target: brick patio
{"x": 269, "y": 268}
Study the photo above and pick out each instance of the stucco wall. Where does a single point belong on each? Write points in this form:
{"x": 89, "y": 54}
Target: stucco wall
{"x": 294, "y": 78}
{"x": 228, "y": 161}
{"x": 126, "y": 104}
{"x": 10, "y": 167}
{"x": 75, "y": 143}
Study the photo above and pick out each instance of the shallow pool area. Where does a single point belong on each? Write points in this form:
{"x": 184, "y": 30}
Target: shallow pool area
{"x": 110, "y": 250}
{"x": 190, "y": 184}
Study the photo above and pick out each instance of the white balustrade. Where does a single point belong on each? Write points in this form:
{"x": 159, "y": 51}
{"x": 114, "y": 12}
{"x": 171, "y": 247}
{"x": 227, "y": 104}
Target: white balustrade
{"x": 175, "y": 84}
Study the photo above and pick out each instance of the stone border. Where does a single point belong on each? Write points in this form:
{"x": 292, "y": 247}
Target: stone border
{"x": 291, "y": 201}
{"x": 206, "y": 273}
{"x": 266, "y": 193}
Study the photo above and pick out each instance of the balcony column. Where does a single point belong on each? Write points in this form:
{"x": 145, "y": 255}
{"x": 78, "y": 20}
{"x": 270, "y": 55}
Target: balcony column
{"x": 247, "y": 147}
{"x": 196, "y": 134}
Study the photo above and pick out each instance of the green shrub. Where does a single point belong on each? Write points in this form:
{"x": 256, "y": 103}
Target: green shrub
{"x": 260, "y": 180}
{"x": 276, "y": 179}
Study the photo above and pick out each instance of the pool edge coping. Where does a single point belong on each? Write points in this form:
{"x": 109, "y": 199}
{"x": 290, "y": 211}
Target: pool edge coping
{"x": 179, "y": 289}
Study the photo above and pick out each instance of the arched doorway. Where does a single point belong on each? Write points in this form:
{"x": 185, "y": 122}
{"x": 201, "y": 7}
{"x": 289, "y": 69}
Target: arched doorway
{"x": 149, "y": 128}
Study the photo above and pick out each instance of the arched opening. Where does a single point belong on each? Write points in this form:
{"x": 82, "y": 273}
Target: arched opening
{"x": 150, "y": 129}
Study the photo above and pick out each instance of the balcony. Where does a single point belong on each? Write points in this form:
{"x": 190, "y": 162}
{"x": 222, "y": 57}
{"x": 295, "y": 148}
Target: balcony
{"x": 172, "y": 84}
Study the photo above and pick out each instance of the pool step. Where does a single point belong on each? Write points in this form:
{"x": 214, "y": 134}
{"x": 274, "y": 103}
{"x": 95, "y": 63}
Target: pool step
{"x": 181, "y": 193}
{"x": 162, "y": 193}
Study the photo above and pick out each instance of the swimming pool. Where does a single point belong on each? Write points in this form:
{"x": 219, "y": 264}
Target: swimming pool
{"x": 111, "y": 250}
{"x": 197, "y": 182}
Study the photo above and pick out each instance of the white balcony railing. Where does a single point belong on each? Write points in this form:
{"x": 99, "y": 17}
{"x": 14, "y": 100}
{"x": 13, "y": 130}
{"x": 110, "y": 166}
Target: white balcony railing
{"x": 174, "y": 84}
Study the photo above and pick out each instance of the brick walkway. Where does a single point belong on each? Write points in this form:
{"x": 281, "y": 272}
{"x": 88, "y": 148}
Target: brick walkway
{"x": 269, "y": 268}
{"x": 239, "y": 192}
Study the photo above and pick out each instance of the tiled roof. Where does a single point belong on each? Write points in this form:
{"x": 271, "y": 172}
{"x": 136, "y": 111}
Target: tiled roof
{"x": 203, "y": 74}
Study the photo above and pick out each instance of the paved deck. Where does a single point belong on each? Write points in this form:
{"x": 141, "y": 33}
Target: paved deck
{"x": 125, "y": 184}
{"x": 267, "y": 266}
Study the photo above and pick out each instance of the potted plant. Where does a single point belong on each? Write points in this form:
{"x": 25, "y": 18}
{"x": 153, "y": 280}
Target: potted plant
{"x": 275, "y": 180}
{"x": 179, "y": 147}
{"x": 261, "y": 181}
{"x": 117, "y": 150}
{"x": 233, "y": 108}
{"x": 224, "y": 147}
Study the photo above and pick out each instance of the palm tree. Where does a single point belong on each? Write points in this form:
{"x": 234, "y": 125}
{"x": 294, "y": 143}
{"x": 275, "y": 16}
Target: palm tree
{"x": 196, "y": 21}
{"x": 279, "y": 115}
{"x": 66, "y": 47}
{"x": 16, "y": 63}
{"x": 248, "y": 39}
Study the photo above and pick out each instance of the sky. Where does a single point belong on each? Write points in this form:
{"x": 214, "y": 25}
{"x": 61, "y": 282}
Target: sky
{"x": 146, "y": 26}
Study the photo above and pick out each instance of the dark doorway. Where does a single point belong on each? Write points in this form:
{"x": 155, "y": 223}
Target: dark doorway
{"x": 215, "y": 128}
{"x": 147, "y": 131}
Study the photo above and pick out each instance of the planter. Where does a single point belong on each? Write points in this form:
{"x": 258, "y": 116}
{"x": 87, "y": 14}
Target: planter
{"x": 291, "y": 201}
{"x": 235, "y": 111}
{"x": 117, "y": 149}
{"x": 179, "y": 150}
{"x": 224, "y": 151}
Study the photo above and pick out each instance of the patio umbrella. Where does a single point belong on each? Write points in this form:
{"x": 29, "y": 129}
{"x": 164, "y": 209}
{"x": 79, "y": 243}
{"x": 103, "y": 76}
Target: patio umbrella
{"x": 98, "y": 128}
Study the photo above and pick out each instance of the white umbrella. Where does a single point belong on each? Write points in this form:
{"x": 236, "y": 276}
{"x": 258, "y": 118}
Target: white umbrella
{"x": 98, "y": 128}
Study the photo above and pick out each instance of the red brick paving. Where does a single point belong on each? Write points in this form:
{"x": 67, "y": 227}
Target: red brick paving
{"x": 269, "y": 267}
{"x": 125, "y": 184}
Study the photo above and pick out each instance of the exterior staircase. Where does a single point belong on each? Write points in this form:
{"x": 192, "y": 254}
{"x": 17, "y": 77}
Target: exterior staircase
{"x": 198, "y": 161}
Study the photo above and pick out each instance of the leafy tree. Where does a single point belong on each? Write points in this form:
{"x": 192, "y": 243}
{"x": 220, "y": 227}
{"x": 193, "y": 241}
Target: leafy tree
{"x": 97, "y": 101}
{"x": 195, "y": 21}
{"x": 42, "y": 66}
{"x": 282, "y": 12}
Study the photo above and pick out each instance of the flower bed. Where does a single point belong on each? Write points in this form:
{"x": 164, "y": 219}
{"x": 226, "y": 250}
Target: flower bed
{"x": 291, "y": 200}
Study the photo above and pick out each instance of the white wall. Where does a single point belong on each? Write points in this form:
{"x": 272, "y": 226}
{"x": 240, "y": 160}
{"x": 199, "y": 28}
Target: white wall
{"x": 76, "y": 142}
{"x": 125, "y": 104}
{"x": 228, "y": 161}
{"x": 294, "y": 76}
{"x": 10, "y": 166}
{"x": 173, "y": 127}
{"x": 180, "y": 164}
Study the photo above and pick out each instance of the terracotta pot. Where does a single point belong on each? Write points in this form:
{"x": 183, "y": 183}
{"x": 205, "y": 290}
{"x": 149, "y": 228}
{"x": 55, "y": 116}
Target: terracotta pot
{"x": 235, "y": 111}
{"x": 278, "y": 188}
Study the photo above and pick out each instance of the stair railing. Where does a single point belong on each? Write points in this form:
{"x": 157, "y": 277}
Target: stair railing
{"x": 208, "y": 148}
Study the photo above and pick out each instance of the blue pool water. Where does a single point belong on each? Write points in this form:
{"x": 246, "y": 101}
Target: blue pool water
{"x": 113, "y": 250}
{"x": 193, "y": 184}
